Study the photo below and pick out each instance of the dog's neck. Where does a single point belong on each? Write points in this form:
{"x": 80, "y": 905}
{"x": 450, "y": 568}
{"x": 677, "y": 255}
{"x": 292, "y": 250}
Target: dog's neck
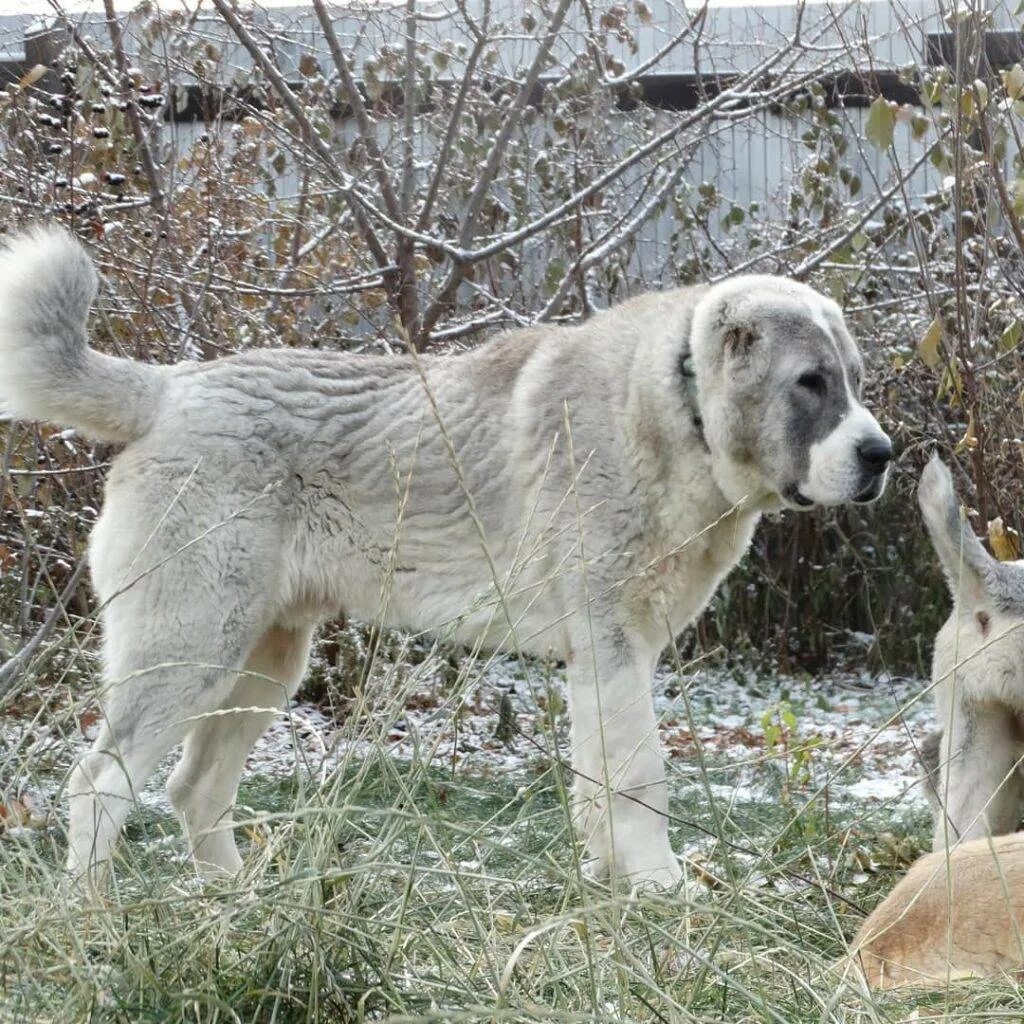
{"x": 689, "y": 379}
{"x": 731, "y": 480}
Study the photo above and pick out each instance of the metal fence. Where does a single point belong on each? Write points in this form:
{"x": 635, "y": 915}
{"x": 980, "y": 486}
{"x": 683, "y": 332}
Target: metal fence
{"x": 754, "y": 160}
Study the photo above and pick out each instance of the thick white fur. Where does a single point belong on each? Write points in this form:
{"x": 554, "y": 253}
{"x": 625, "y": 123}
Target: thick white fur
{"x": 43, "y": 343}
{"x": 549, "y": 491}
{"x": 978, "y": 676}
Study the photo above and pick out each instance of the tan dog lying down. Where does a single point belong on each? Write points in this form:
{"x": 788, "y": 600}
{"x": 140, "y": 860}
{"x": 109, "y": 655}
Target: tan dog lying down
{"x": 912, "y": 937}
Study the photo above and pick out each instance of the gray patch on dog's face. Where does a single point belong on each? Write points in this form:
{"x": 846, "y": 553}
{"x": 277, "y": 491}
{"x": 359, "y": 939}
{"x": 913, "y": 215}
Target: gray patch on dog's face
{"x": 790, "y": 409}
{"x": 847, "y": 453}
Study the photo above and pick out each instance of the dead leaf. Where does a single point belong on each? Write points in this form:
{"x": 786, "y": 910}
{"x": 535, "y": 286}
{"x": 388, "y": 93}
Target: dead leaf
{"x": 928, "y": 346}
{"x": 1004, "y": 540}
{"x": 701, "y": 870}
{"x": 32, "y": 76}
{"x": 13, "y": 814}
{"x": 969, "y": 441}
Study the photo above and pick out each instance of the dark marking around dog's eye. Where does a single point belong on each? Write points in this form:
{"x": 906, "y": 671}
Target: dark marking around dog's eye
{"x": 813, "y": 382}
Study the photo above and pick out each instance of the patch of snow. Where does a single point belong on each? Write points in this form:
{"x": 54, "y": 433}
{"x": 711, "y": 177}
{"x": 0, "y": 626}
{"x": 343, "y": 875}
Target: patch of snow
{"x": 855, "y": 738}
{"x": 888, "y": 787}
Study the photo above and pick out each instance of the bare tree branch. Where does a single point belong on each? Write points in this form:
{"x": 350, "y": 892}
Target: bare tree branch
{"x": 318, "y": 146}
{"x": 14, "y": 668}
{"x": 455, "y": 118}
{"x": 467, "y": 228}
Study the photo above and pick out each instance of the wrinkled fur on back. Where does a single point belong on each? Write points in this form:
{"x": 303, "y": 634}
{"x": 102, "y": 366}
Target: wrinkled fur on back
{"x": 563, "y": 490}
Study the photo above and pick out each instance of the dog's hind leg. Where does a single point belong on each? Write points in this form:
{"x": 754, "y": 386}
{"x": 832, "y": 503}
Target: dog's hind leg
{"x": 205, "y": 782}
{"x": 175, "y": 635}
{"x": 153, "y": 696}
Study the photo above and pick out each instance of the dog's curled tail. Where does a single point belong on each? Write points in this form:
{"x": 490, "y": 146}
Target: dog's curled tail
{"x": 974, "y": 576}
{"x": 47, "y": 370}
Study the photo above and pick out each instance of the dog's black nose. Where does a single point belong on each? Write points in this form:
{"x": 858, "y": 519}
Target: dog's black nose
{"x": 875, "y": 454}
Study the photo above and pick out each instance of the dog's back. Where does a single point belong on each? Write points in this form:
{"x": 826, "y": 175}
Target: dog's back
{"x": 950, "y": 917}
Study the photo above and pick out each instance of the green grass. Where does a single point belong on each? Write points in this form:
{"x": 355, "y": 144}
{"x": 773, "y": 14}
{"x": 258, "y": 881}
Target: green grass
{"x": 399, "y": 892}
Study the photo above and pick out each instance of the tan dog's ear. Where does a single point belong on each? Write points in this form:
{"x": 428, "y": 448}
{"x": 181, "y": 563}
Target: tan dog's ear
{"x": 740, "y": 339}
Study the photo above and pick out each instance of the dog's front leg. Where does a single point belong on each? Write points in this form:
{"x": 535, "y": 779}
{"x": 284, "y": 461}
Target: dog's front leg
{"x": 620, "y": 797}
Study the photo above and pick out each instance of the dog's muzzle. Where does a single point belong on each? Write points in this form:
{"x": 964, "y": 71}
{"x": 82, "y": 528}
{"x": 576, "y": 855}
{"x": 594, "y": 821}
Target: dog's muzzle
{"x": 874, "y": 456}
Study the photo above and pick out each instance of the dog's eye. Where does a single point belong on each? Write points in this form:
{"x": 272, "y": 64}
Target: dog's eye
{"x": 813, "y": 382}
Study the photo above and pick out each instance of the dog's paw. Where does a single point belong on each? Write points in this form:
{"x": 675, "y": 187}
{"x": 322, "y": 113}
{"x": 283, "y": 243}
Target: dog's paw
{"x": 648, "y": 878}
{"x": 649, "y": 864}
{"x": 659, "y": 877}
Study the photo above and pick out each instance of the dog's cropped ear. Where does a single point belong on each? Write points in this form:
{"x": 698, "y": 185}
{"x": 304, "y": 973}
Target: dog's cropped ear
{"x": 740, "y": 340}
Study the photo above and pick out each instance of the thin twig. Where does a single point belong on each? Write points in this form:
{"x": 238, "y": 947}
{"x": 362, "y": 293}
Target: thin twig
{"x": 15, "y": 666}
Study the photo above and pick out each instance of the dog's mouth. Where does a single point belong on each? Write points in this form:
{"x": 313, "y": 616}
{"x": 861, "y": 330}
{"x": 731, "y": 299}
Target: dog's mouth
{"x": 871, "y": 492}
{"x": 795, "y": 498}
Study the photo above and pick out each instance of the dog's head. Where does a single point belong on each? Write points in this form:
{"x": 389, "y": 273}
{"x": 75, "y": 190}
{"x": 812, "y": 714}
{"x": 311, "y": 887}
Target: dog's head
{"x": 983, "y": 640}
{"x": 778, "y": 384}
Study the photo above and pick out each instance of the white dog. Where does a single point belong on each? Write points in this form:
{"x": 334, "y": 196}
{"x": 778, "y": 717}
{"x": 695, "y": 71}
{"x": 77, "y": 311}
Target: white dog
{"x": 576, "y": 490}
{"x": 976, "y": 785}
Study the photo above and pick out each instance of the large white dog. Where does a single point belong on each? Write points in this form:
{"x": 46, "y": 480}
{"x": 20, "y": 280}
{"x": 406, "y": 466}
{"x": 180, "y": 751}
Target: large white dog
{"x": 574, "y": 490}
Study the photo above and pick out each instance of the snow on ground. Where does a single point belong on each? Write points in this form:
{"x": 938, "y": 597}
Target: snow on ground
{"x": 852, "y": 736}
{"x": 861, "y": 733}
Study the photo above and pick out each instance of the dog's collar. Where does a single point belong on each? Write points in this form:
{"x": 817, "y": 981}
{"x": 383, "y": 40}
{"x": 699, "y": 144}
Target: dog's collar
{"x": 689, "y": 375}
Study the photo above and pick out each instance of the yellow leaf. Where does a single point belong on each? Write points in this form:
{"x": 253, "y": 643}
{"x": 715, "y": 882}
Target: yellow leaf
{"x": 1010, "y": 338}
{"x": 1004, "y": 540}
{"x": 928, "y": 346}
{"x": 255, "y": 836}
{"x": 969, "y": 440}
{"x": 880, "y": 123}
{"x": 1013, "y": 81}
{"x": 32, "y": 76}
{"x": 950, "y": 386}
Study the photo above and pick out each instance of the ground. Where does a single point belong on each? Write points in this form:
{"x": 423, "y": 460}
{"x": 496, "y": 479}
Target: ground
{"x": 405, "y": 864}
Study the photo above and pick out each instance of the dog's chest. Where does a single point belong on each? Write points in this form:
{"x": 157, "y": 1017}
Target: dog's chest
{"x": 685, "y": 566}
